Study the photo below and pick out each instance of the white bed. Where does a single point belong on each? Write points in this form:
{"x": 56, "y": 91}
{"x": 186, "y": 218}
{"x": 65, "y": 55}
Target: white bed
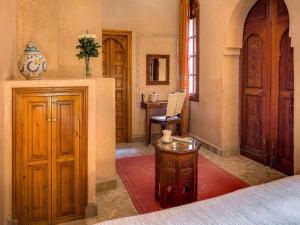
{"x": 273, "y": 203}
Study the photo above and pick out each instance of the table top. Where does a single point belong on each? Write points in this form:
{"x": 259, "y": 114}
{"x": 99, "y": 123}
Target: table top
{"x": 154, "y": 104}
{"x": 178, "y": 147}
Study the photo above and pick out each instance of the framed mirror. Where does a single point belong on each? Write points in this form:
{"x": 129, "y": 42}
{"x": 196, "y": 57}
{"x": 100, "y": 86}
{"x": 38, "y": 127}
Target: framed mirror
{"x": 158, "y": 67}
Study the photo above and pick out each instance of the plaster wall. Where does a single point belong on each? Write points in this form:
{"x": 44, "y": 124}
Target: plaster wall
{"x": 206, "y": 115}
{"x": 7, "y": 57}
{"x": 154, "y": 26}
{"x": 55, "y": 25}
{"x": 215, "y": 119}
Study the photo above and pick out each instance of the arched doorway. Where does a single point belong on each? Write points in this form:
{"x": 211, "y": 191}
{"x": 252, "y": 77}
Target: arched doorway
{"x": 267, "y": 86}
{"x": 116, "y": 63}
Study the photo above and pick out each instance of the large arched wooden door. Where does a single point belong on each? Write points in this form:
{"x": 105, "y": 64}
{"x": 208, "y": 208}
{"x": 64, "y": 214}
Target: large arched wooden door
{"x": 267, "y": 86}
{"x": 115, "y": 65}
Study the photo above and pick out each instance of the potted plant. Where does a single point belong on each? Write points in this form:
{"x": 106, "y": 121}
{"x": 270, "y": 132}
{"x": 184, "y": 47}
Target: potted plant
{"x": 88, "y": 47}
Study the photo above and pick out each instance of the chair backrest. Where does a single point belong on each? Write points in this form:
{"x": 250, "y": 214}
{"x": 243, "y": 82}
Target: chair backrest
{"x": 175, "y": 104}
{"x": 180, "y": 102}
{"x": 172, "y": 101}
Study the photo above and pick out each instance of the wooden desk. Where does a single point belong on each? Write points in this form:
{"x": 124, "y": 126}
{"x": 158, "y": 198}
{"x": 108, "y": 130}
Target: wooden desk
{"x": 152, "y": 109}
{"x": 176, "y": 172}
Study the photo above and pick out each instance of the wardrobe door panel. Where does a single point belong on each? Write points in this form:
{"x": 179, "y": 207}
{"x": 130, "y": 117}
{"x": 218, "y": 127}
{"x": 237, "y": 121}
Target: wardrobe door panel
{"x": 65, "y": 177}
{"x": 66, "y": 117}
{"x": 35, "y": 172}
{"x": 38, "y": 193}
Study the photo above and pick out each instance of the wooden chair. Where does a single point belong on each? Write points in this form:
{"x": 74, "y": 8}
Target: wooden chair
{"x": 174, "y": 108}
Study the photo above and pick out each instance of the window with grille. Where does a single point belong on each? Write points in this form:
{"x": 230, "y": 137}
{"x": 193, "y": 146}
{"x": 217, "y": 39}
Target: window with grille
{"x": 194, "y": 51}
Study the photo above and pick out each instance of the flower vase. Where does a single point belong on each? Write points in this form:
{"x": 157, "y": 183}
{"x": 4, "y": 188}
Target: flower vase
{"x": 87, "y": 72}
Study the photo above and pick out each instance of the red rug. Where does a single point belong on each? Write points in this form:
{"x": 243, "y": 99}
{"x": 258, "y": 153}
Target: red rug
{"x": 137, "y": 174}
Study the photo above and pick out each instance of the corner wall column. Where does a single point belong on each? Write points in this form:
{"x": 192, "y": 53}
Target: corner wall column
{"x": 230, "y": 99}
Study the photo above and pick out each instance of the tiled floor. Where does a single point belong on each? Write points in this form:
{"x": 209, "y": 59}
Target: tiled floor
{"x": 117, "y": 203}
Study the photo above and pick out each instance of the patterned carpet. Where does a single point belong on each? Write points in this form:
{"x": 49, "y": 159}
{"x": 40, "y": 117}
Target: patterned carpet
{"x": 137, "y": 174}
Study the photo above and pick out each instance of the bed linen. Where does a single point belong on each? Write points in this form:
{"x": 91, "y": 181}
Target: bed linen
{"x": 274, "y": 203}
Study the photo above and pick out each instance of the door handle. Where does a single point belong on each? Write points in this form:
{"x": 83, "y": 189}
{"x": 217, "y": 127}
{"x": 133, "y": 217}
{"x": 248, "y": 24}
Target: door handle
{"x": 54, "y": 120}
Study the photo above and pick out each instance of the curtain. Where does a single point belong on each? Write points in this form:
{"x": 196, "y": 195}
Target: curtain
{"x": 184, "y": 19}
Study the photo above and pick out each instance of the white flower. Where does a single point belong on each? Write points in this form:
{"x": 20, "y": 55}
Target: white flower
{"x": 88, "y": 36}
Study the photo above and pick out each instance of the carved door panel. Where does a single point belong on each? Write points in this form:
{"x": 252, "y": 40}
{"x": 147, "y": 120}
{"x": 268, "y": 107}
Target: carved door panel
{"x": 255, "y": 84}
{"x": 65, "y": 157}
{"x": 34, "y": 183}
{"x": 115, "y": 64}
{"x": 284, "y": 156}
{"x": 268, "y": 86}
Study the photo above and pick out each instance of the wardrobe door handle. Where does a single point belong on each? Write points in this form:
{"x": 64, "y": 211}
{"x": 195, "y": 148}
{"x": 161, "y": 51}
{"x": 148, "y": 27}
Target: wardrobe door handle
{"x": 54, "y": 120}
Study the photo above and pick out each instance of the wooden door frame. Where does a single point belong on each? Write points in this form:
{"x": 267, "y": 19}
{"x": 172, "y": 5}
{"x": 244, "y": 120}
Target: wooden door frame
{"x": 128, "y": 34}
{"x": 51, "y": 91}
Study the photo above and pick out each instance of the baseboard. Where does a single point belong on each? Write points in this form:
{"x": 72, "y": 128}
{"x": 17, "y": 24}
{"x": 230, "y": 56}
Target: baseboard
{"x": 106, "y": 184}
{"x": 216, "y": 149}
{"x": 91, "y": 211}
{"x": 138, "y": 139}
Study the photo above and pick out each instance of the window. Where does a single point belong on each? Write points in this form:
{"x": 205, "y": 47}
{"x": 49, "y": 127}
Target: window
{"x": 194, "y": 51}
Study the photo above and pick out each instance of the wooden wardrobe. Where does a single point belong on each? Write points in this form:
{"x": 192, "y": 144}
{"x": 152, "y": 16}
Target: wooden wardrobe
{"x": 49, "y": 157}
{"x": 267, "y": 86}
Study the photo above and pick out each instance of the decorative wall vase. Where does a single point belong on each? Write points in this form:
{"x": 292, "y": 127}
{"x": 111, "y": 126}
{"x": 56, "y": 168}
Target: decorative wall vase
{"x": 32, "y": 64}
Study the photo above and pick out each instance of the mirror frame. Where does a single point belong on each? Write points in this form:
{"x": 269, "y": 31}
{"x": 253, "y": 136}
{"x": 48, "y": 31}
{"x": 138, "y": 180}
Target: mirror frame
{"x": 148, "y": 59}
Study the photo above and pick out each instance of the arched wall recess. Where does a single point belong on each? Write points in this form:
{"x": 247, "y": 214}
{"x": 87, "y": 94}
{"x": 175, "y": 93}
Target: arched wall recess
{"x": 230, "y": 76}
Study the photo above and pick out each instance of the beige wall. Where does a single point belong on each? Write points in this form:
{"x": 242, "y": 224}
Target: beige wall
{"x": 105, "y": 131}
{"x": 215, "y": 117}
{"x": 206, "y": 114}
{"x": 55, "y": 25}
{"x": 154, "y": 26}
{"x": 7, "y": 38}
{"x": 7, "y": 58}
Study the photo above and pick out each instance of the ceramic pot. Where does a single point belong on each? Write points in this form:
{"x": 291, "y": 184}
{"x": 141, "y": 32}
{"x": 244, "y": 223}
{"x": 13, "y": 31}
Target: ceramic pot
{"x": 167, "y": 138}
{"x": 153, "y": 97}
{"x": 32, "y": 64}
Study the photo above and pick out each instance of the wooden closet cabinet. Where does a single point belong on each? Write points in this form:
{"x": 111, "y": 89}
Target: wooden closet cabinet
{"x": 49, "y": 166}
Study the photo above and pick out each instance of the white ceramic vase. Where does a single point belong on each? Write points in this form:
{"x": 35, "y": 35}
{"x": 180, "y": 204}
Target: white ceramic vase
{"x": 32, "y": 64}
{"x": 167, "y": 136}
{"x": 153, "y": 97}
